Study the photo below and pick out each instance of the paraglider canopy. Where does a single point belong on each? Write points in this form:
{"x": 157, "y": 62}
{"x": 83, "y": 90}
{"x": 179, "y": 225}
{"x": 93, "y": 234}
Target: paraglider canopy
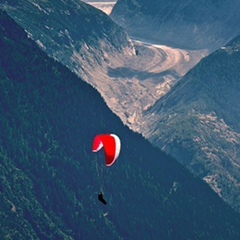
{"x": 111, "y": 144}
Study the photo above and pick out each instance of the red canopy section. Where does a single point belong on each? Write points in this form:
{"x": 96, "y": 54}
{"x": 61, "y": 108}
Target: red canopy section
{"x": 111, "y": 144}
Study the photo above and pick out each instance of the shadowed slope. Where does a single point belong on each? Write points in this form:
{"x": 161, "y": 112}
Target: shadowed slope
{"x": 48, "y": 179}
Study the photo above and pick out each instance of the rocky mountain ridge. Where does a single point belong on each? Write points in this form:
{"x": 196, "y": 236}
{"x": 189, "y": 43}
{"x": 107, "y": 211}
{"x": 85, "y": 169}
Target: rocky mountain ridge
{"x": 185, "y": 24}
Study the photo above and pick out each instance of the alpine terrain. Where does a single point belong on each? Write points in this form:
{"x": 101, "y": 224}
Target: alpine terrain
{"x": 48, "y": 176}
{"x": 133, "y": 75}
{"x": 130, "y": 75}
{"x": 198, "y": 121}
{"x": 199, "y": 24}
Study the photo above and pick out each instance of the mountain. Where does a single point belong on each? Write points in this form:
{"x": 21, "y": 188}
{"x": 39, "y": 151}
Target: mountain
{"x": 48, "y": 177}
{"x": 186, "y": 24}
{"x": 84, "y": 39}
{"x": 74, "y": 33}
{"x": 69, "y": 24}
{"x": 198, "y": 121}
{"x": 130, "y": 77}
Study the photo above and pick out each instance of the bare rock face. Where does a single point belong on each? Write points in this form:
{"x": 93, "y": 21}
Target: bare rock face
{"x": 185, "y": 24}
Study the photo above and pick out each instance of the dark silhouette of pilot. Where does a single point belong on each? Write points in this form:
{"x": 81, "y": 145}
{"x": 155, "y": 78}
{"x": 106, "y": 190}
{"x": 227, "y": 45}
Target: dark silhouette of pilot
{"x": 101, "y": 199}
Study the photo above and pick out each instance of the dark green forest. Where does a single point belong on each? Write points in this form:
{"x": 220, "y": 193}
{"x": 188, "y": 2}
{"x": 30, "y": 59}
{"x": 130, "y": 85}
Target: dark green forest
{"x": 48, "y": 177}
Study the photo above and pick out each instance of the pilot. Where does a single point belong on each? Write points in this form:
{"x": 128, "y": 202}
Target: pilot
{"x": 101, "y": 199}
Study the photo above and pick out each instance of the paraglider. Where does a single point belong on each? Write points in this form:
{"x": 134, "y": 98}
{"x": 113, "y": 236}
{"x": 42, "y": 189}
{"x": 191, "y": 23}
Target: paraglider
{"x": 111, "y": 145}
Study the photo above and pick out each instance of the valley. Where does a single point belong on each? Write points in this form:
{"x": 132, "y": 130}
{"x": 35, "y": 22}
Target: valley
{"x": 145, "y": 76}
{"x": 132, "y": 74}
{"x": 148, "y": 77}
{"x": 182, "y": 101}
{"x": 48, "y": 178}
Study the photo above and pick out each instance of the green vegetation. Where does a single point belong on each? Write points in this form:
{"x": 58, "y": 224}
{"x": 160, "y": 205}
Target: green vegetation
{"x": 48, "y": 179}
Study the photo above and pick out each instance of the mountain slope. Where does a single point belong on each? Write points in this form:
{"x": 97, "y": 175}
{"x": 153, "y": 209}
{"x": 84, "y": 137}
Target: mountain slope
{"x": 129, "y": 77}
{"x": 198, "y": 121}
{"x": 76, "y": 34}
{"x": 186, "y": 24}
{"x": 48, "y": 179}
{"x": 84, "y": 39}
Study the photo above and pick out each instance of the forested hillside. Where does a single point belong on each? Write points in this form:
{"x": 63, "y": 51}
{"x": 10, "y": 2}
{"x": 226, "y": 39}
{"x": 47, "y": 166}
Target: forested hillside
{"x": 48, "y": 177}
{"x": 198, "y": 121}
